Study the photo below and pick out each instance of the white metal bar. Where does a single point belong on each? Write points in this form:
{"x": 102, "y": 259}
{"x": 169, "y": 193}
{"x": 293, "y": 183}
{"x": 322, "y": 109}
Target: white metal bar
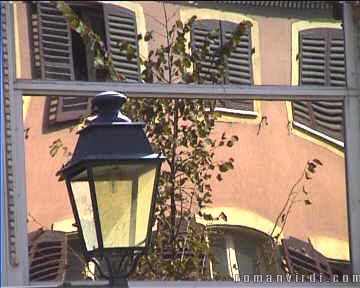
{"x": 18, "y": 268}
{"x": 352, "y": 134}
{"x": 191, "y": 91}
{"x": 3, "y": 217}
{"x": 190, "y": 284}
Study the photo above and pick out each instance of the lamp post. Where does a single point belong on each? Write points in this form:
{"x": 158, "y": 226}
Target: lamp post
{"x": 112, "y": 181}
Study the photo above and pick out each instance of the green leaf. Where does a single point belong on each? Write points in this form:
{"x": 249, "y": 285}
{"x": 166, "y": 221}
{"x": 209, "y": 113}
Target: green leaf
{"x": 223, "y": 168}
{"x": 283, "y": 218}
{"x": 234, "y": 138}
{"x": 130, "y": 52}
{"x": 311, "y": 167}
{"x": 307, "y": 202}
{"x": 179, "y": 24}
{"x": 317, "y": 161}
{"x": 192, "y": 20}
{"x": 230, "y": 143}
{"x": 148, "y": 36}
{"x": 304, "y": 190}
{"x": 98, "y": 61}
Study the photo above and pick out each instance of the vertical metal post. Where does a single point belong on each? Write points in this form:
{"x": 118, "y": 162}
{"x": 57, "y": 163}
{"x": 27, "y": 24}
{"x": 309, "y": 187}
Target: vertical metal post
{"x": 352, "y": 133}
{"x": 17, "y": 260}
{"x": 3, "y": 268}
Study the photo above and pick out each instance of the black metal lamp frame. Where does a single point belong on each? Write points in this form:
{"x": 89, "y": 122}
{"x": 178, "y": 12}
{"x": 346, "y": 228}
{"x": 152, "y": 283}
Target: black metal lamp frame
{"x": 120, "y": 261}
{"x": 122, "y": 142}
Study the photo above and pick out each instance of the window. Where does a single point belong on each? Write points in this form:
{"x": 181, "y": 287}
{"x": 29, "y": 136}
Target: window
{"x": 239, "y": 64}
{"x": 238, "y": 252}
{"x": 61, "y": 54}
{"x": 322, "y": 62}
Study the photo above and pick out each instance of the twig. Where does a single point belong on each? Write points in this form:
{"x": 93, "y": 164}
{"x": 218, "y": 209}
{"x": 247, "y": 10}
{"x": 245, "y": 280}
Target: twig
{"x": 37, "y": 222}
{"x": 286, "y": 203}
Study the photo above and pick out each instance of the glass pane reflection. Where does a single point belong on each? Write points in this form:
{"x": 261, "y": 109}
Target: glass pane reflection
{"x": 81, "y": 191}
{"x": 124, "y": 193}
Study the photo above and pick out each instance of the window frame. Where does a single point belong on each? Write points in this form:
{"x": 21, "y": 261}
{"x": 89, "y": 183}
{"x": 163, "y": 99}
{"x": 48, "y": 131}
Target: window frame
{"x": 58, "y": 116}
{"x": 297, "y": 128}
{"x": 230, "y": 236}
{"x": 18, "y": 274}
{"x": 233, "y": 115}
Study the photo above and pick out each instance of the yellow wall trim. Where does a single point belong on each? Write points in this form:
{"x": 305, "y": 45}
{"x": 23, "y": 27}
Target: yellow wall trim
{"x": 240, "y": 217}
{"x": 331, "y": 247}
{"x": 65, "y": 225}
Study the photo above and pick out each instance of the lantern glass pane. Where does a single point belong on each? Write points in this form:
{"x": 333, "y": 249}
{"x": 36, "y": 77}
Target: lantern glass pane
{"x": 124, "y": 194}
{"x": 81, "y": 191}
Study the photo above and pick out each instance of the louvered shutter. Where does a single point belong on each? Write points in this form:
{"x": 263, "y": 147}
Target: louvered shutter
{"x": 301, "y": 258}
{"x": 57, "y": 61}
{"x": 239, "y": 70}
{"x": 239, "y": 66}
{"x": 120, "y": 25}
{"x": 322, "y": 62}
{"x": 200, "y": 30}
{"x": 47, "y": 255}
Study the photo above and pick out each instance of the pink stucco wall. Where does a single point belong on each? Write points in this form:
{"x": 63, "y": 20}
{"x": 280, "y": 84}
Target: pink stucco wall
{"x": 266, "y": 165}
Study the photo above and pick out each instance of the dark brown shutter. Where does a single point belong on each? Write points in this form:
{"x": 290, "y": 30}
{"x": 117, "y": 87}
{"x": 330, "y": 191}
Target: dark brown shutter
{"x": 57, "y": 61}
{"x": 322, "y": 62}
{"x": 47, "y": 255}
{"x": 301, "y": 258}
{"x": 120, "y": 25}
{"x": 239, "y": 66}
{"x": 239, "y": 70}
{"x": 337, "y": 76}
{"x": 200, "y": 30}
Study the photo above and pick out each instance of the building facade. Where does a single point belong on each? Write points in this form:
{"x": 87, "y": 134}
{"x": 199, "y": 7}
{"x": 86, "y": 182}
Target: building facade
{"x": 289, "y": 45}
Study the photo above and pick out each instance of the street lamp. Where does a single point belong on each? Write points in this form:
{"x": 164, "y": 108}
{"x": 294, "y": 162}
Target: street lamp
{"x": 112, "y": 181}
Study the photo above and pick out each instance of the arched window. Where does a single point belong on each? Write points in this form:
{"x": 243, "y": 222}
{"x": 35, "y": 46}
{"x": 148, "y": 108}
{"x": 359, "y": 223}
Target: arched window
{"x": 238, "y": 251}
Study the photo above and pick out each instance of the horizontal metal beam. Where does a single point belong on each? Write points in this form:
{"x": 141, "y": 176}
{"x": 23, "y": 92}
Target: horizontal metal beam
{"x": 191, "y": 284}
{"x": 189, "y": 91}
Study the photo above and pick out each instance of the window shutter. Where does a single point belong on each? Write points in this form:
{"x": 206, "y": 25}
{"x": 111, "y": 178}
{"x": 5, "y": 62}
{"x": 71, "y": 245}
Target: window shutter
{"x": 57, "y": 62}
{"x": 322, "y": 62}
{"x": 120, "y": 25}
{"x": 301, "y": 258}
{"x": 47, "y": 255}
{"x": 200, "y": 29}
{"x": 337, "y": 76}
{"x": 239, "y": 64}
{"x": 239, "y": 70}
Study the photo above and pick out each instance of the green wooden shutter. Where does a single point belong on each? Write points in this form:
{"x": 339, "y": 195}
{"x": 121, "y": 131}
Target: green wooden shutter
{"x": 120, "y": 25}
{"x": 322, "y": 62}
{"x": 239, "y": 66}
{"x": 200, "y": 30}
{"x": 56, "y": 59}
